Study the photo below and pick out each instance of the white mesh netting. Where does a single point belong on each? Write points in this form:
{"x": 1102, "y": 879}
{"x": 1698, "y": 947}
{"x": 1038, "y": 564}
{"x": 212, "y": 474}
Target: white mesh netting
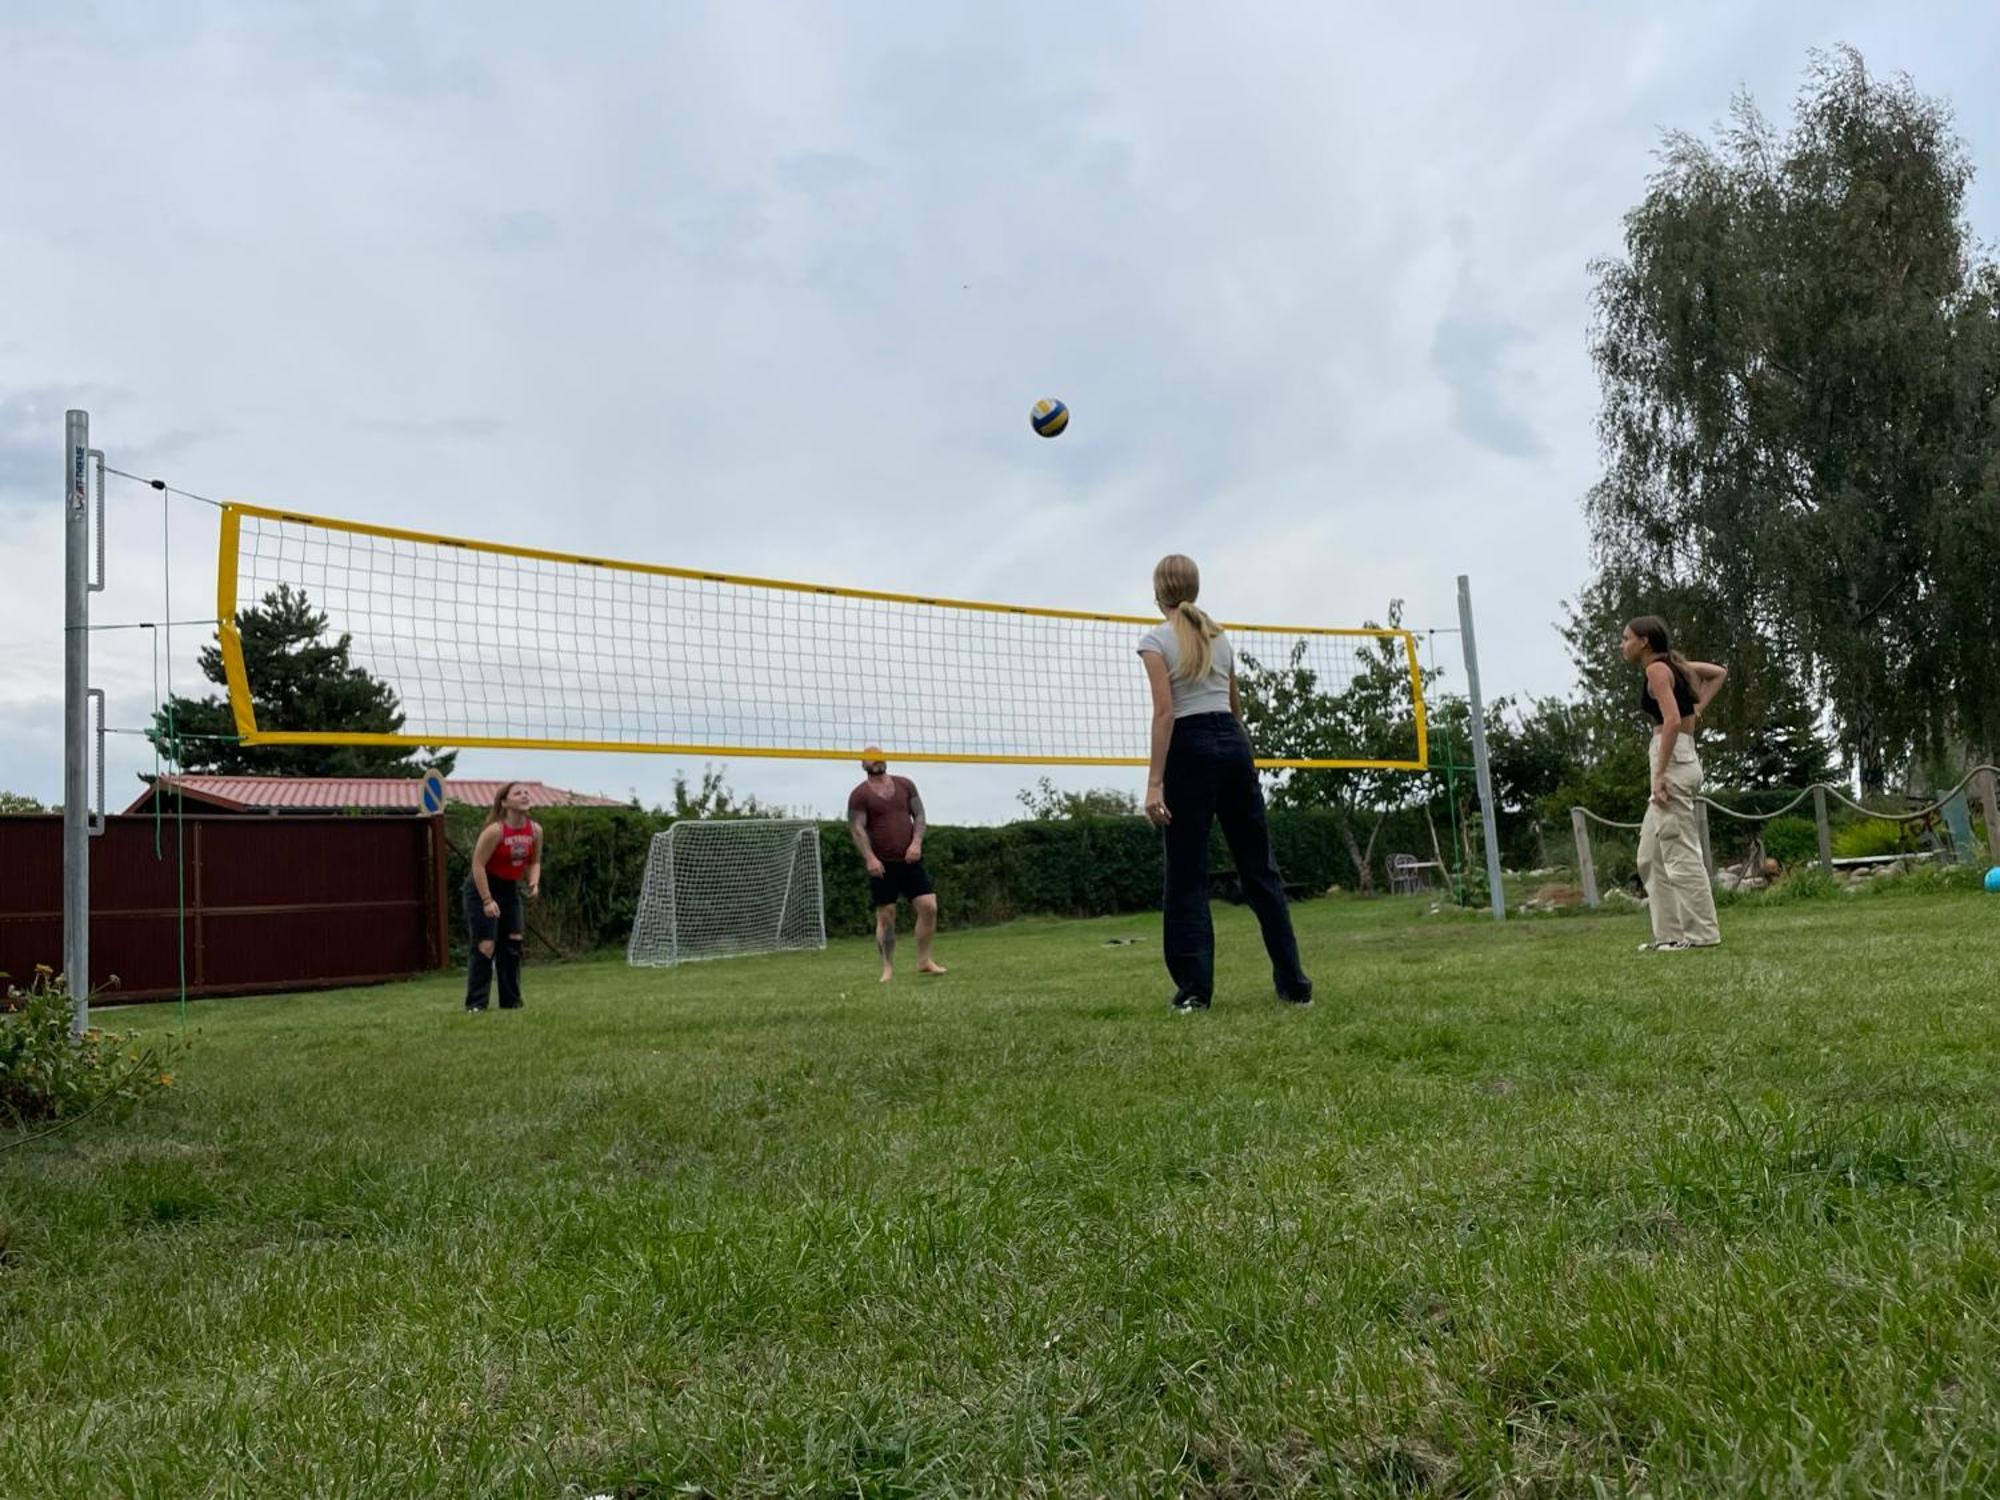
{"x": 728, "y": 887}
{"x": 485, "y": 644}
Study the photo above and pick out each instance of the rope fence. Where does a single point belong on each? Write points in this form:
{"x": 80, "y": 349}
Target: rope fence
{"x": 1985, "y": 778}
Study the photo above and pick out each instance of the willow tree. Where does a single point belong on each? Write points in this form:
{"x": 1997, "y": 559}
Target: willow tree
{"x": 1796, "y": 353}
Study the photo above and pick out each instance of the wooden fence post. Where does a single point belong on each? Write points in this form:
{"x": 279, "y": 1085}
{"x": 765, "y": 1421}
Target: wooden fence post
{"x": 1990, "y": 801}
{"x": 1825, "y": 831}
{"x": 1586, "y": 868}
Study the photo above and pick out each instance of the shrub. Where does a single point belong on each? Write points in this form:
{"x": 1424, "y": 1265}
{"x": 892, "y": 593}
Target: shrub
{"x": 1616, "y": 856}
{"x": 45, "y": 1075}
{"x": 1791, "y": 841}
{"x": 1871, "y": 838}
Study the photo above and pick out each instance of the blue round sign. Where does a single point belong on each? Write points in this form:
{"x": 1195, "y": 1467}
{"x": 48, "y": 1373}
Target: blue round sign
{"x": 432, "y": 797}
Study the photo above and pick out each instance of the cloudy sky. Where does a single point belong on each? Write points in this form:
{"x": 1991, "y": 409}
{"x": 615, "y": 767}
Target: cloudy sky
{"x": 769, "y": 288}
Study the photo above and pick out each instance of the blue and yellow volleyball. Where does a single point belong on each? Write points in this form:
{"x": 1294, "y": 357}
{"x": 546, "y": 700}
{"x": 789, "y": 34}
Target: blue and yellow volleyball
{"x": 1049, "y": 417}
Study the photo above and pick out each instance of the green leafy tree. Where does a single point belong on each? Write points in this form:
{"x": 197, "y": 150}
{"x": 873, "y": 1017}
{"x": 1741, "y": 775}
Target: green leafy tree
{"x": 1532, "y": 749}
{"x": 1797, "y": 357}
{"x": 714, "y": 799}
{"x": 1612, "y": 782}
{"x": 1047, "y": 802}
{"x": 298, "y": 676}
{"x": 15, "y": 802}
{"x": 1776, "y": 743}
{"x": 1287, "y": 708}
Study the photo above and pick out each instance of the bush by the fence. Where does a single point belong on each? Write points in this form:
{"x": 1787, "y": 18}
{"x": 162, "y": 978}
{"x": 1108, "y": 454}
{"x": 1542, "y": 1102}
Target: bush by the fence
{"x": 1615, "y": 852}
{"x": 1869, "y": 838}
{"x": 1791, "y": 841}
{"x": 47, "y": 1074}
{"x": 595, "y": 861}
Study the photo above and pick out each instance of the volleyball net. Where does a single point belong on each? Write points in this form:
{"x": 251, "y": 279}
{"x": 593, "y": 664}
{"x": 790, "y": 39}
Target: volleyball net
{"x": 486, "y": 644}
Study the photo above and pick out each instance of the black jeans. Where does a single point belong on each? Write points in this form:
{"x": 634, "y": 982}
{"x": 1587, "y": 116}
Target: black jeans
{"x": 1212, "y": 775}
{"x": 504, "y": 932}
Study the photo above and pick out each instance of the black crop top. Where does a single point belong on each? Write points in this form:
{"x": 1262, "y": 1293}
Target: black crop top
{"x": 1683, "y": 697}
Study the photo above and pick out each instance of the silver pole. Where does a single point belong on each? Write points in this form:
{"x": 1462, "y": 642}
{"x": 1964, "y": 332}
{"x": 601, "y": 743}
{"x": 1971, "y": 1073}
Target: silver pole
{"x": 76, "y": 717}
{"x": 1480, "y": 766}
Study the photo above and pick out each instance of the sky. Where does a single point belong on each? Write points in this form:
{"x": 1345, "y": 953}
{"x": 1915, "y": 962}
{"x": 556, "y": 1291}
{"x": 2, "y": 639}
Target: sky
{"x": 770, "y": 289}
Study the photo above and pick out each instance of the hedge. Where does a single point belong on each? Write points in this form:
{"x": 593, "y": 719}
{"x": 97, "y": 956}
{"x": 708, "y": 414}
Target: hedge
{"x": 1791, "y": 840}
{"x": 596, "y": 861}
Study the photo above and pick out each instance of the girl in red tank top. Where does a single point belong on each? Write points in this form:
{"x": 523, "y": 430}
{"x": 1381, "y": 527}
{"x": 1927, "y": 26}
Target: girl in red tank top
{"x": 515, "y": 849}
{"x": 506, "y": 863}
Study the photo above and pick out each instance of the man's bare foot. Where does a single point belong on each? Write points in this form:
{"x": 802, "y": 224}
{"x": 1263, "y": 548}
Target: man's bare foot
{"x": 888, "y": 974}
{"x": 932, "y": 966}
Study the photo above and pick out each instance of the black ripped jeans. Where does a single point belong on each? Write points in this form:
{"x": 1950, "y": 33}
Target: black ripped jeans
{"x": 1211, "y": 774}
{"x": 504, "y": 933}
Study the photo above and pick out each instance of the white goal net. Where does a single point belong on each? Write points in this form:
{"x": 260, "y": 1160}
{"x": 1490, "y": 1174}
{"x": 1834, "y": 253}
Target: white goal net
{"x": 729, "y": 887}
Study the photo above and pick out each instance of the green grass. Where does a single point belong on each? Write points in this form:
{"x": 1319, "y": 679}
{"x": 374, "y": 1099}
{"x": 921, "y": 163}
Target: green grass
{"x": 1516, "y": 1212}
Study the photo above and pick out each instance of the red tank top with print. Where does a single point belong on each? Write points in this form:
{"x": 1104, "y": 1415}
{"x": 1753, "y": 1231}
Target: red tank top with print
{"x": 515, "y": 851}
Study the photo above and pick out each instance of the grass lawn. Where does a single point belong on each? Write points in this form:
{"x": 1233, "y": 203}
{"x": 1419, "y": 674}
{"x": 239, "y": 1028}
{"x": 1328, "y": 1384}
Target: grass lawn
{"x": 1509, "y": 1212}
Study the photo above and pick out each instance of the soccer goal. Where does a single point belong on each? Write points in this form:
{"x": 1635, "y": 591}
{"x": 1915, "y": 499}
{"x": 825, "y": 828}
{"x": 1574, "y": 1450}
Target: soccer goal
{"x": 729, "y": 887}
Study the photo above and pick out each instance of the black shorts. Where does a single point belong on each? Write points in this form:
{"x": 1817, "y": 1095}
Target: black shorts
{"x": 904, "y": 879}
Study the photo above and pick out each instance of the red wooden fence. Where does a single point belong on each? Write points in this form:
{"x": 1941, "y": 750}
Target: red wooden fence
{"x": 266, "y": 904}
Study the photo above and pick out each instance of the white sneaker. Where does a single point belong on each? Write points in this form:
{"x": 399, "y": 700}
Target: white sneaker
{"x": 1674, "y": 945}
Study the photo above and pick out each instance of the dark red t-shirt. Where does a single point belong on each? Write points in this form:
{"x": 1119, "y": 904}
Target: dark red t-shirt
{"x": 891, "y": 824}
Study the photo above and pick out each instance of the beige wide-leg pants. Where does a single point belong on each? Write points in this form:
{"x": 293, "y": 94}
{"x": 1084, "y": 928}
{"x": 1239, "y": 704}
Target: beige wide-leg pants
{"x": 1678, "y": 889}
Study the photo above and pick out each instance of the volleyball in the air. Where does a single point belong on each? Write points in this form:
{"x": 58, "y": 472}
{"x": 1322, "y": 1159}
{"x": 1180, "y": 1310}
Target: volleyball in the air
{"x": 1049, "y": 417}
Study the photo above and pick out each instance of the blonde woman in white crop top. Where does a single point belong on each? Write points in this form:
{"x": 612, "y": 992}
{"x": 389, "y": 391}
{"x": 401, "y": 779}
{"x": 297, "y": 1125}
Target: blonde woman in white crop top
{"x": 1202, "y": 771}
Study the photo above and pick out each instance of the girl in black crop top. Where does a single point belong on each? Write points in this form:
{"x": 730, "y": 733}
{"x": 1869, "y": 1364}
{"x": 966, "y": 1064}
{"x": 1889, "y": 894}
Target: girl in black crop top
{"x": 1684, "y": 702}
{"x": 1680, "y": 897}
{"x": 1675, "y": 692}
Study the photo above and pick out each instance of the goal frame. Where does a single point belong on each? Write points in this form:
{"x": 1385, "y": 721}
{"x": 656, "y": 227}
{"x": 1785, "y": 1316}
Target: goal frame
{"x": 662, "y": 902}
